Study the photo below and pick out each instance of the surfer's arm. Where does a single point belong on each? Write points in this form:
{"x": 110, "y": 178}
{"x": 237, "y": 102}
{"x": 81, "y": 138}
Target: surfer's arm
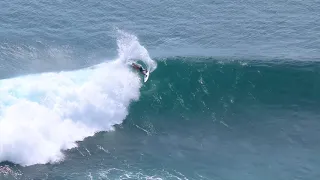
{"x": 135, "y": 66}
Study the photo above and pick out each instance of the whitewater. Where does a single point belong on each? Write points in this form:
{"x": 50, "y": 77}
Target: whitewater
{"x": 43, "y": 114}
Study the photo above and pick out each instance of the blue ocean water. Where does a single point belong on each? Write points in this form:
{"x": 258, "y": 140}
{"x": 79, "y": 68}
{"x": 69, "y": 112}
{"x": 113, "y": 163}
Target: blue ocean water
{"x": 233, "y": 91}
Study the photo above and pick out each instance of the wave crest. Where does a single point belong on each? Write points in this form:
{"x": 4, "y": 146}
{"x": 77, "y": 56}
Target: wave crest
{"x": 43, "y": 114}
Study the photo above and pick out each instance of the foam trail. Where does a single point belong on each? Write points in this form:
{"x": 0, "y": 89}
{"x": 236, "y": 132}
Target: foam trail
{"x": 42, "y": 114}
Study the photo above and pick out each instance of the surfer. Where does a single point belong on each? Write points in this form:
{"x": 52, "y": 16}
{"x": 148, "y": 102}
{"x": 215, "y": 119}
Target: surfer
{"x": 139, "y": 68}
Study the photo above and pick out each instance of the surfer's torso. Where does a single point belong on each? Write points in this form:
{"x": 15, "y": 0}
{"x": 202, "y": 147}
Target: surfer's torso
{"x": 140, "y": 68}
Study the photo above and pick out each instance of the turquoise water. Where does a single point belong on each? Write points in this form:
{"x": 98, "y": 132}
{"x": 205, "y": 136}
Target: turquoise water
{"x": 233, "y": 92}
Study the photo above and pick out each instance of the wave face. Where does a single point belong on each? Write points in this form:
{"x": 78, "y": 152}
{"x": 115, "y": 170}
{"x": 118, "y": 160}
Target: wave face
{"x": 43, "y": 114}
{"x": 182, "y": 88}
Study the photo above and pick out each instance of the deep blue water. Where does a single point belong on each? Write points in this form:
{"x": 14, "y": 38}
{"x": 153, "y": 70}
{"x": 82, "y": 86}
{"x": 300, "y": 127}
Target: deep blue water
{"x": 233, "y": 92}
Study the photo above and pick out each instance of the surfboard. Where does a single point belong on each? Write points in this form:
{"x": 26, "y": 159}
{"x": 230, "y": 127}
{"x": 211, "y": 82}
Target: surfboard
{"x": 146, "y": 77}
